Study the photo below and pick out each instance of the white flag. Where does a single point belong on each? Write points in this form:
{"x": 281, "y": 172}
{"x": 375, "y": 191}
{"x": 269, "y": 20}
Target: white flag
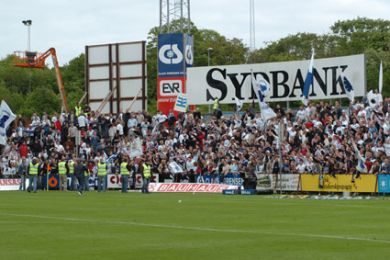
{"x": 181, "y": 103}
{"x": 374, "y": 99}
{"x": 6, "y": 118}
{"x": 261, "y": 88}
{"x": 174, "y": 167}
{"x": 266, "y": 112}
{"x": 238, "y": 104}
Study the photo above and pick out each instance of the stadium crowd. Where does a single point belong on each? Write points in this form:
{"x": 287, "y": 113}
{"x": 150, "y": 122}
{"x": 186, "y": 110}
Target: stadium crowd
{"x": 319, "y": 138}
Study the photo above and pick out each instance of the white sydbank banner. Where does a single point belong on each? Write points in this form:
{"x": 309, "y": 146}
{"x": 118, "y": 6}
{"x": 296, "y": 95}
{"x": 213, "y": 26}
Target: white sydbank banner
{"x": 204, "y": 84}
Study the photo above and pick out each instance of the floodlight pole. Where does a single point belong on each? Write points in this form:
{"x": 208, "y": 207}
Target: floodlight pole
{"x": 28, "y": 23}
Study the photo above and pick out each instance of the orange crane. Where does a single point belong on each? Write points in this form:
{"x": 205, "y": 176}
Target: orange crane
{"x": 37, "y": 61}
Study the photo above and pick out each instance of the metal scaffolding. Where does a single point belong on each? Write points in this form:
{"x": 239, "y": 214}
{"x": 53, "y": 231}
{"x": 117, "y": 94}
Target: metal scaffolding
{"x": 171, "y": 10}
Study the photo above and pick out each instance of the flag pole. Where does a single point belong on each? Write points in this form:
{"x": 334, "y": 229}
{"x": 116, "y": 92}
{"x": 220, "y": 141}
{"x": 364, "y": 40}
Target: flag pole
{"x": 380, "y": 82}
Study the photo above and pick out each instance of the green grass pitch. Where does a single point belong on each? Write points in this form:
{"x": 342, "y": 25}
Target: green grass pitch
{"x": 111, "y": 225}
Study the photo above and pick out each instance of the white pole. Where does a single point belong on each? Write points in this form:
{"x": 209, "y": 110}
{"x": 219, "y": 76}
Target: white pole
{"x": 380, "y": 83}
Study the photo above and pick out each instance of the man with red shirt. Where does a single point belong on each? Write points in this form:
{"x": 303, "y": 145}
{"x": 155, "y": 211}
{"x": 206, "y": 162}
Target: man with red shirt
{"x": 23, "y": 150}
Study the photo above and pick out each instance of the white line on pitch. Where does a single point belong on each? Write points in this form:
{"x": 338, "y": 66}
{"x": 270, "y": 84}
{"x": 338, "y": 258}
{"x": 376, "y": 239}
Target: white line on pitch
{"x": 132, "y": 223}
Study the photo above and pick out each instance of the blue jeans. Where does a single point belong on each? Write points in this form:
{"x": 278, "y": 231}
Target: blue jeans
{"x": 102, "y": 183}
{"x": 125, "y": 182}
{"x": 33, "y": 182}
{"x": 86, "y": 183}
{"x": 73, "y": 182}
{"x": 22, "y": 185}
{"x": 81, "y": 181}
{"x": 145, "y": 185}
{"x": 199, "y": 178}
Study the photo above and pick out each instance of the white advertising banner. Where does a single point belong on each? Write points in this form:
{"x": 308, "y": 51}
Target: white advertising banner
{"x": 204, "y": 84}
{"x": 114, "y": 181}
{"x": 288, "y": 182}
{"x": 284, "y": 182}
{"x": 190, "y": 187}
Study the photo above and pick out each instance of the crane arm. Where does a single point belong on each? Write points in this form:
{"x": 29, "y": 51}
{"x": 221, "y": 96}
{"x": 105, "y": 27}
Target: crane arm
{"x": 38, "y": 62}
{"x": 60, "y": 82}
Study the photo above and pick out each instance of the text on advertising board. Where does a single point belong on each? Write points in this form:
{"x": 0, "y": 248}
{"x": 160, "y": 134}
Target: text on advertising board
{"x": 204, "y": 84}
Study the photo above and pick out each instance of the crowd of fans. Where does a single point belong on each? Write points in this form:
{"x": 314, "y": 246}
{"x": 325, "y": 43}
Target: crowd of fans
{"x": 319, "y": 138}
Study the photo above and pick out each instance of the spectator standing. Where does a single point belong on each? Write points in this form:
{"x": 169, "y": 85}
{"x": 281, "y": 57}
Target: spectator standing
{"x": 79, "y": 171}
{"x": 70, "y": 164}
{"x": 22, "y": 172}
{"x": 146, "y": 175}
{"x": 33, "y": 175}
{"x": 124, "y": 168}
{"x": 62, "y": 174}
{"x": 102, "y": 175}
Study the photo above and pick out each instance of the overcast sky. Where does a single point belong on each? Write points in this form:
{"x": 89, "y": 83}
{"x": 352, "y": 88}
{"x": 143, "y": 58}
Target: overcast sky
{"x": 69, "y": 25}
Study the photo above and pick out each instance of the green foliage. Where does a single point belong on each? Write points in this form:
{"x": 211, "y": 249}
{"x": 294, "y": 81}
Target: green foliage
{"x": 73, "y": 75}
{"x": 41, "y": 100}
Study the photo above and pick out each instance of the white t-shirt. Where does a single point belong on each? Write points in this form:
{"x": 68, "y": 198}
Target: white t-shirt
{"x": 119, "y": 128}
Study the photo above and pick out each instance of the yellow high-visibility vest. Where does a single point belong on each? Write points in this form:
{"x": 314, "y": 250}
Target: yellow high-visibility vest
{"x": 124, "y": 170}
{"x": 77, "y": 110}
{"x": 33, "y": 169}
{"x": 147, "y": 171}
{"x": 216, "y": 104}
{"x": 102, "y": 171}
{"x": 71, "y": 167}
{"x": 61, "y": 168}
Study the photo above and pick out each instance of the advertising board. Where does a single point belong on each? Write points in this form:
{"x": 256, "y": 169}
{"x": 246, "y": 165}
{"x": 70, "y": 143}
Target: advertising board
{"x": 339, "y": 183}
{"x": 286, "y": 79}
{"x": 190, "y": 187}
{"x": 120, "y": 69}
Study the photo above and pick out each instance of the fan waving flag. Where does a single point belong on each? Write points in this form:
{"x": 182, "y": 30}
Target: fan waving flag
{"x": 361, "y": 166}
{"x": 6, "y": 118}
{"x": 261, "y": 87}
{"x": 308, "y": 81}
{"x": 348, "y": 88}
{"x": 238, "y": 104}
{"x": 374, "y": 99}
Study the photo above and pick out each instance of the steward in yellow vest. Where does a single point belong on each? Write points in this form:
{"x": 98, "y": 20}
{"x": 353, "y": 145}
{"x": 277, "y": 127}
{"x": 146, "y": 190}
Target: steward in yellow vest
{"x": 62, "y": 173}
{"x": 102, "y": 176}
{"x": 77, "y": 110}
{"x": 146, "y": 175}
{"x": 33, "y": 175}
{"x": 125, "y": 175}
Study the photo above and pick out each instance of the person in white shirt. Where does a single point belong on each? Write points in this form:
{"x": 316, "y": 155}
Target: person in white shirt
{"x": 83, "y": 121}
{"x": 119, "y": 129}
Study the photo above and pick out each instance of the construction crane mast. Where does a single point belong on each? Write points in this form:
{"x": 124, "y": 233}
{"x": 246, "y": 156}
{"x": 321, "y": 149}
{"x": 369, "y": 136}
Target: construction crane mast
{"x": 37, "y": 61}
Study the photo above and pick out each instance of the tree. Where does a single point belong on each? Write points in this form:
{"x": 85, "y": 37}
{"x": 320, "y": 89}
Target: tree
{"x": 361, "y": 35}
{"x": 73, "y": 75}
{"x": 41, "y": 100}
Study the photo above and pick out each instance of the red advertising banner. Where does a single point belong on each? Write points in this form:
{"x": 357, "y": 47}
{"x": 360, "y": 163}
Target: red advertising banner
{"x": 167, "y": 91}
{"x": 9, "y": 184}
